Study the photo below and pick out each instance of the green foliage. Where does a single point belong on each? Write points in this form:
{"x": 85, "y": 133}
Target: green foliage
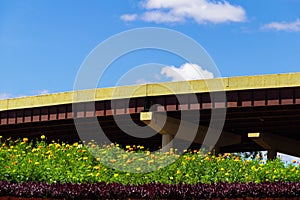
{"x": 23, "y": 161}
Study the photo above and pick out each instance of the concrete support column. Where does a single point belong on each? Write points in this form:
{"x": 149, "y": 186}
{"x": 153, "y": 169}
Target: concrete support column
{"x": 216, "y": 150}
{"x": 168, "y": 127}
{"x": 167, "y": 142}
{"x": 272, "y": 154}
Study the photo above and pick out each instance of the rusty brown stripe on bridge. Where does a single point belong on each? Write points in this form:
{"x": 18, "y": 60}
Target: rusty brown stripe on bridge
{"x": 235, "y": 99}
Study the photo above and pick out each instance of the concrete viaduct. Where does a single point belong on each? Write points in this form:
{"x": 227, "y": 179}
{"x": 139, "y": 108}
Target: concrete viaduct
{"x": 263, "y": 113}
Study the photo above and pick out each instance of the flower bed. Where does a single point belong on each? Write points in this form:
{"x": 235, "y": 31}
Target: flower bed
{"x": 59, "y": 170}
{"x": 150, "y": 191}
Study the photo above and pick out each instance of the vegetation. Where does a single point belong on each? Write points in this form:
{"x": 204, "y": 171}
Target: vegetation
{"x": 38, "y": 161}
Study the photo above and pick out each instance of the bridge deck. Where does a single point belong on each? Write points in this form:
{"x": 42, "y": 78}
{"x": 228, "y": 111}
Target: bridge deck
{"x": 161, "y": 89}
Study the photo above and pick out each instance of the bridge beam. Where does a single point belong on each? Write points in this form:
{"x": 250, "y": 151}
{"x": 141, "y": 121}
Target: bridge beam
{"x": 274, "y": 143}
{"x": 169, "y": 127}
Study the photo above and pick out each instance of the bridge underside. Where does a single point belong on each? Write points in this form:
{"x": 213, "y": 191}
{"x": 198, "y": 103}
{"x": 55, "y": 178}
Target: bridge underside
{"x": 281, "y": 121}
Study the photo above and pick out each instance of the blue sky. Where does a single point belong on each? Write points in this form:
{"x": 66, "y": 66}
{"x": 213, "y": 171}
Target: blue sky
{"x": 43, "y": 43}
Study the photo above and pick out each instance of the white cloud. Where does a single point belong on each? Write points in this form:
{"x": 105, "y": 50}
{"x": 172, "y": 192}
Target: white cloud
{"x": 283, "y": 26}
{"x": 142, "y": 81}
{"x": 201, "y": 11}
{"x": 34, "y": 93}
{"x": 186, "y": 71}
{"x": 5, "y": 96}
{"x": 129, "y": 17}
{"x": 41, "y": 92}
{"x": 161, "y": 17}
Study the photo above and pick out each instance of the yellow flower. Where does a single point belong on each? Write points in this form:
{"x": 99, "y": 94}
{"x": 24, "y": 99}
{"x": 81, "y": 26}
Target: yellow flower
{"x": 226, "y": 174}
{"x": 85, "y": 158}
{"x": 150, "y": 162}
{"x": 113, "y": 160}
{"x": 36, "y": 163}
{"x": 75, "y": 144}
{"x": 43, "y": 137}
{"x": 25, "y": 140}
{"x": 292, "y": 170}
{"x": 237, "y": 159}
{"x": 97, "y": 167}
{"x": 138, "y": 169}
{"x": 171, "y": 177}
{"x": 294, "y": 161}
{"x": 68, "y": 154}
{"x": 98, "y": 174}
{"x": 127, "y": 146}
{"x": 222, "y": 169}
{"x": 91, "y": 174}
{"x": 116, "y": 175}
{"x": 178, "y": 172}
